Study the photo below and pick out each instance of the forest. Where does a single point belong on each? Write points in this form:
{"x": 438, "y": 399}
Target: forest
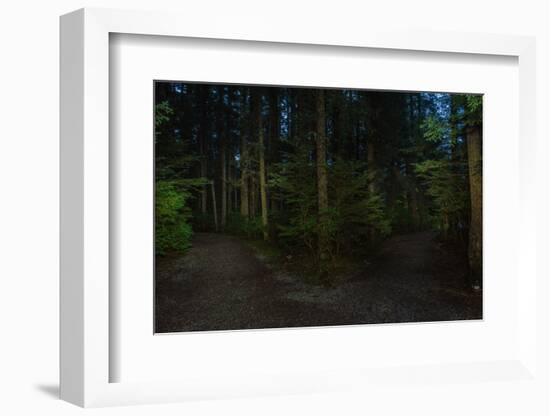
{"x": 286, "y": 206}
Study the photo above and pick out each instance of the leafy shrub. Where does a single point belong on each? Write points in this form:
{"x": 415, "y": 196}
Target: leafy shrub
{"x": 354, "y": 212}
{"x": 295, "y": 183}
{"x": 359, "y": 212}
{"x": 446, "y": 185}
{"x": 172, "y": 228}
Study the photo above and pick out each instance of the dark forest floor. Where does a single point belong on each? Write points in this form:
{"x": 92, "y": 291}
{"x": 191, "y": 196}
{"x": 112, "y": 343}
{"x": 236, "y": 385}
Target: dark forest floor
{"x": 223, "y": 284}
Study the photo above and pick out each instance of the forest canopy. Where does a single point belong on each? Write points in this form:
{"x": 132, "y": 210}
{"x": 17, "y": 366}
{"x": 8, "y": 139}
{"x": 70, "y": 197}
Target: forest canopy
{"x": 324, "y": 175}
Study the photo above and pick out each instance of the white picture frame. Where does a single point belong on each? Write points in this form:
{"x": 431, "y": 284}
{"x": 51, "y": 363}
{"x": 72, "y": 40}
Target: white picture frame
{"x": 85, "y": 164}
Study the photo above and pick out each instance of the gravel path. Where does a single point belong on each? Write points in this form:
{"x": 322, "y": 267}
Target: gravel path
{"x": 221, "y": 284}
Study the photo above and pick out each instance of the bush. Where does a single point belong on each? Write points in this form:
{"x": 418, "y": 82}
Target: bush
{"x": 354, "y": 212}
{"x": 446, "y": 186}
{"x": 172, "y": 229}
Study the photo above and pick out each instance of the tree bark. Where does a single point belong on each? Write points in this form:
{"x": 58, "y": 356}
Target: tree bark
{"x": 244, "y": 161}
{"x": 214, "y": 205}
{"x": 371, "y": 169}
{"x": 322, "y": 184}
{"x": 253, "y": 194}
{"x": 261, "y": 151}
{"x": 203, "y": 146}
{"x": 274, "y": 135}
{"x": 473, "y": 137}
{"x": 223, "y": 157}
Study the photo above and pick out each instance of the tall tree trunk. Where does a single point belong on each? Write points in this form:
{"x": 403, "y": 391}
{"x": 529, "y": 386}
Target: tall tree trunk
{"x": 454, "y": 230}
{"x": 214, "y": 205}
{"x": 203, "y": 145}
{"x": 235, "y": 187}
{"x": 244, "y": 160}
{"x": 231, "y": 184}
{"x": 253, "y": 194}
{"x": 416, "y": 137}
{"x": 223, "y": 156}
{"x": 257, "y": 108}
{"x": 371, "y": 169}
{"x": 322, "y": 185}
{"x": 473, "y": 137}
{"x": 274, "y": 133}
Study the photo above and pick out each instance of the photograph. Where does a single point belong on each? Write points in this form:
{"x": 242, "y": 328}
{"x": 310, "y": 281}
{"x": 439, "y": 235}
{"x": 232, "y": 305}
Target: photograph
{"x": 285, "y": 207}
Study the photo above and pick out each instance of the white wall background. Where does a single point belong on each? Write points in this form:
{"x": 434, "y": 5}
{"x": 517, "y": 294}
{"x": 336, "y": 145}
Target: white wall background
{"x": 29, "y": 204}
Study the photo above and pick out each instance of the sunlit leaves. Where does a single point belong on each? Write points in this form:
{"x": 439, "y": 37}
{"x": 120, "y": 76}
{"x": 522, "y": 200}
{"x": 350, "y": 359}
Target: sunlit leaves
{"x": 163, "y": 111}
{"x": 172, "y": 229}
{"x": 435, "y": 129}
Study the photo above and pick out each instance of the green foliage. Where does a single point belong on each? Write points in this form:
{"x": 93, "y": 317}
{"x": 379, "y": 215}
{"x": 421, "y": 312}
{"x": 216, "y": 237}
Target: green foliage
{"x": 163, "y": 111}
{"x": 474, "y": 103}
{"x": 354, "y": 214}
{"x": 444, "y": 175}
{"x": 473, "y": 113}
{"x": 172, "y": 215}
{"x": 434, "y": 129}
{"x": 471, "y": 109}
{"x": 295, "y": 182}
{"x": 173, "y": 231}
{"x": 446, "y": 185}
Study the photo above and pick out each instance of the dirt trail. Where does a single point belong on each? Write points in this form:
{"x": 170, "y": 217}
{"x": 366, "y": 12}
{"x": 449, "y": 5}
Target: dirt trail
{"x": 221, "y": 284}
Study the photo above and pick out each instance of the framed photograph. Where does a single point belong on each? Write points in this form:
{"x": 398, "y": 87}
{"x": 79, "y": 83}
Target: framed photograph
{"x": 281, "y": 213}
{"x": 280, "y": 207}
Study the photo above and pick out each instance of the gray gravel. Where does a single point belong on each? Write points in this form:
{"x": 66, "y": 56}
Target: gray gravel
{"x": 222, "y": 284}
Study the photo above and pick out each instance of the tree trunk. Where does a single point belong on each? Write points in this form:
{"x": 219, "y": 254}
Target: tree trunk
{"x": 253, "y": 194}
{"x": 235, "y": 188}
{"x": 274, "y": 135}
{"x": 473, "y": 136}
{"x": 371, "y": 169}
{"x": 223, "y": 157}
{"x": 322, "y": 185}
{"x": 261, "y": 151}
{"x": 244, "y": 161}
{"x": 214, "y": 205}
{"x": 203, "y": 146}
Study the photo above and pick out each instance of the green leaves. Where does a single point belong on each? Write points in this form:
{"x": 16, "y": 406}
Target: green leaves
{"x": 435, "y": 129}
{"x": 474, "y": 103}
{"x": 446, "y": 185}
{"x": 163, "y": 111}
{"x": 361, "y": 209}
{"x": 172, "y": 229}
{"x": 354, "y": 211}
{"x": 294, "y": 182}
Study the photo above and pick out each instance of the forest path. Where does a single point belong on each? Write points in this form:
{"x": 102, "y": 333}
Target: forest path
{"x": 215, "y": 285}
{"x": 222, "y": 284}
{"x": 414, "y": 279}
{"x": 406, "y": 254}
